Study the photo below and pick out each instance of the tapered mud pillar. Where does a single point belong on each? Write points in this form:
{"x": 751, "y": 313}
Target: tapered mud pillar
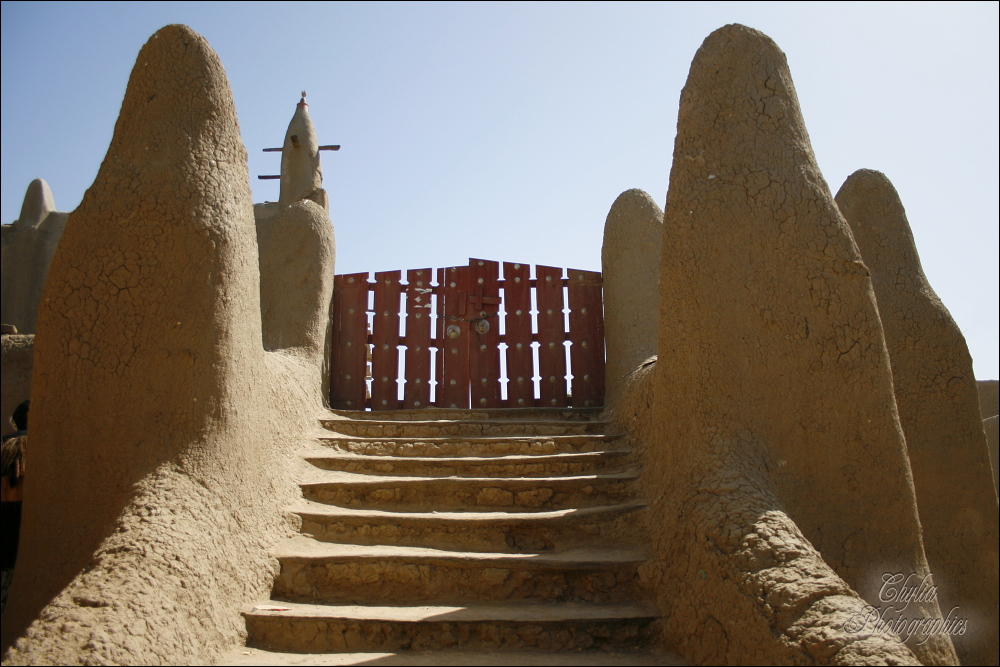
{"x": 776, "y": 420}
{"x": 630, "y": 263}
{"x": 939, "y": 410}
{"x": 160, "y": 428}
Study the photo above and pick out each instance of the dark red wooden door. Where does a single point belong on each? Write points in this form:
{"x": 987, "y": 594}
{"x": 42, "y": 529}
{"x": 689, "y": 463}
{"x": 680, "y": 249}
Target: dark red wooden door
{"x": 463, "y": 337}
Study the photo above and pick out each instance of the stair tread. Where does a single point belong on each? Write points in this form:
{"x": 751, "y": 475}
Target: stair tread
{"x": 461, "y": 422}
{"x": 519, "y": 422}
{"x": 255, "y": 657}
{"x": 312, "y": 508}
{"x": 563, "y": 569}
{"x": 445, "y": 460}
{"x": 486, "y": 414}
{"x": 332, "y": 435}
{"x": 549, "y": 612}
{"x": 361, "y": 479}
{"x": 332, "y": 439}
{"x": 303, "y": 548}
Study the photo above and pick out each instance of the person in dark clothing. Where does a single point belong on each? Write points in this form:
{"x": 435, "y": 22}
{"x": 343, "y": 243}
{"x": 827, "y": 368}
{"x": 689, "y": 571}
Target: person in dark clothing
{"x": 11, "y": 487}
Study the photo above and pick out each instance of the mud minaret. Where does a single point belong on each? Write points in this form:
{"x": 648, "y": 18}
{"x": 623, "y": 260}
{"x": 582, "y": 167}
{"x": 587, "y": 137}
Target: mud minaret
{"x": 301, "y": 175}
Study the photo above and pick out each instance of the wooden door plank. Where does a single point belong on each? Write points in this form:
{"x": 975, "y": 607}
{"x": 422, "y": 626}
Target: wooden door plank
{"x": 484, "y": 350}
{"x": 551, "y": 335}
{"x": 336, "y": 345}
{"x": 586, "y": 334}
{"x": 453, "y": 387}
{"x": 417, "y": 390}
{"x": 351, "y": 352}
{"x": 437, "y": 343}
{"x": 385, "y": 340}
{"x": 517, "y": 335}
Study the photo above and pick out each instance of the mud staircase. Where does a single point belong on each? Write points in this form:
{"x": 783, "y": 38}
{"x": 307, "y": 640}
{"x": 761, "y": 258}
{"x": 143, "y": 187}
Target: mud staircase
{"x": 481, "y": 530}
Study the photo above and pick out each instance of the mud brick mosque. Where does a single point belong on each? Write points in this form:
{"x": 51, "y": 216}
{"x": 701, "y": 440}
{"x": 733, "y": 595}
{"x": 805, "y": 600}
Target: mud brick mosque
{"x": 764, "y": 445}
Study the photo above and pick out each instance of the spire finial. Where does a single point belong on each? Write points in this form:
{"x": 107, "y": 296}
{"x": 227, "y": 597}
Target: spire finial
{"x": 303, "y": 100}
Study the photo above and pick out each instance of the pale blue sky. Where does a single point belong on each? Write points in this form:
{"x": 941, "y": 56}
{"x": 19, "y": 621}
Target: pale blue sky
{"x": 506, "y": 131}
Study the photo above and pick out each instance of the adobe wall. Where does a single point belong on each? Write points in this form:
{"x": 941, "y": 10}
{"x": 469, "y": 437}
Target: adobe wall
{"x": 162, "y": 431}
{"x": 15, "y": 378}
{"x": 28, "y": 246}
{"x": 291, "y": 290}
{"x": 776, "y": 469}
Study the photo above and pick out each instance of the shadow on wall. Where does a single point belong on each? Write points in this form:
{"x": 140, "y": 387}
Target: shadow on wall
{"x": 161, "y": 428}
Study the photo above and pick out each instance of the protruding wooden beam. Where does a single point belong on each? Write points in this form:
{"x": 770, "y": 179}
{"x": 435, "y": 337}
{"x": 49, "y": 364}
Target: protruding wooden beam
{"x": 332, "y": 147}
{"x": 269, "y": 178}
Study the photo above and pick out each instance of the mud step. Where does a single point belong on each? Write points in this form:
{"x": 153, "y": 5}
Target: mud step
{"x": 420, "y": 494}
{"x": 549, "y": 627}
{"x": 468, "y": 428}
{"x": 254, "y": 657}
{"x": 542, "y": 465}
{"x": 488, "y": 414}
{"x": 469, "y": 531}
{"x": 478, "y": 446}
{"x": 353, "y": 574}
